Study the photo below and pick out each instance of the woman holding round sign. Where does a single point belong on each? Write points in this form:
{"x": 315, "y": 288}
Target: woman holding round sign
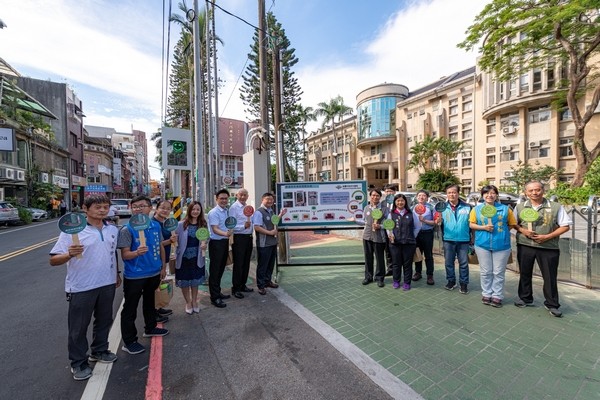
{"x": 402, "y": 226}
{"x": 541, "y": 222}
{"x": 425, "y": 211}
{"x": 492, "y": 221}
{"x": 190, "y": 268}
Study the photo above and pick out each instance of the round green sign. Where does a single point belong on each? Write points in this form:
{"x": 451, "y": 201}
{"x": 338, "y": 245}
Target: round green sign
{"x": 376, "y": 213}
{"x": 275, "y": 219}
{"x": 488, "y": 211}
{"x": 202, "y": 234}
{"x": 529, "y": 215}
{"x": 441, "y": 206}
{"x": 178, "y": 147}
{"x": 388, "y": 224}
{"x": 139, "y": 222}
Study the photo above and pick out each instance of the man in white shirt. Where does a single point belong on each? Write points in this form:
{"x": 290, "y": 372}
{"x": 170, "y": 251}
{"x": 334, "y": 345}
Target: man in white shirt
{"x": 242, "y": 245}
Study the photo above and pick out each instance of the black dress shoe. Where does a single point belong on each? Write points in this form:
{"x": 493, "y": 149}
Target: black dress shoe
{"x": 366, "y": 281}
{"x": 218, "y": 303}
{"x": 224, "y": 296}
{"x": 238, "y": 295}
{"x": 380, "y": 283}
{"x": 247, "y": 289}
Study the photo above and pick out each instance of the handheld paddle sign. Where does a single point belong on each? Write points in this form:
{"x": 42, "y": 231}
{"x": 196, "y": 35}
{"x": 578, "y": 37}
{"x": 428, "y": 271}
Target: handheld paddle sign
{"x": 202, "y": 234}
{"x": 230, "y": 222}
{"x": 489, "y": 212}
{"x": 139, "y": 222}
{"x": 529, "y": 215}
{"x": 170, "y": 224}
{"x": 389, "y": 199}
{"x": 439, "y": 207}
{"x": 72, "y": 224}
{"x": 376, "y": 213}
{"x": 248, "y": 211}
{"x": 420, "y": 209}
{"x": 275, "y": 219}
{"x": 388, "y": 224}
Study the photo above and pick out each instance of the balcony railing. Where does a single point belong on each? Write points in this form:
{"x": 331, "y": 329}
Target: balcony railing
{"x": 376, "y": 158}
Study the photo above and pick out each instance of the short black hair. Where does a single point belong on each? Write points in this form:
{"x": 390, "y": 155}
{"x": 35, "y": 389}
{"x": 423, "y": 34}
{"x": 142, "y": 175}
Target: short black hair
{"x": 267, "y": 194}
{"x": 95, "y": 199}
{"x": 222, "y": 191}
{"x": 142, "y": 197}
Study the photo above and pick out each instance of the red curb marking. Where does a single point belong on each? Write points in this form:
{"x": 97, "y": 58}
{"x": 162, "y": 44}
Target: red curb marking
{"x": 154, "y": 382}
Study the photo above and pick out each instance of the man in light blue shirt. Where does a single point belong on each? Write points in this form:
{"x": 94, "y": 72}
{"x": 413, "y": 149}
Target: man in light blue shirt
{"x": 218, "y": 247}
{"x": 242, "y": 245}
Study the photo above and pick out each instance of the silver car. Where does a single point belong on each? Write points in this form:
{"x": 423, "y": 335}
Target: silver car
{"x": 37, "y": 214}
{"x": 122, "y": 207}
{"x": 8, "y": 213}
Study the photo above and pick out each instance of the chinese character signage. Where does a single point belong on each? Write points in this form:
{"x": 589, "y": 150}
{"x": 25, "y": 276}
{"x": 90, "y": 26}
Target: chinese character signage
{"x": 321, "y": 203}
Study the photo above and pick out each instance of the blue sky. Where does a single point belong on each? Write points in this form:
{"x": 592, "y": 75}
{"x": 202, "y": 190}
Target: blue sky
{"x": 109, "y": 51}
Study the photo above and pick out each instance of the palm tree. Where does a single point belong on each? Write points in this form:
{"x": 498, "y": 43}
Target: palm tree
{"x": 334, "y": 108}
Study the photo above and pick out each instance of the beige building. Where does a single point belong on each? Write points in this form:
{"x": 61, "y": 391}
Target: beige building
{"x": 500, "y": 124}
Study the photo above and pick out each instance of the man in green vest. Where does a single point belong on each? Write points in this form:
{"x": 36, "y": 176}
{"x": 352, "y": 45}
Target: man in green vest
{"x": 538, "y": 241}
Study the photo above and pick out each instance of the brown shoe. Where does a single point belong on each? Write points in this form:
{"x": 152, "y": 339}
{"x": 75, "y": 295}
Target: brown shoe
{"x": 430, "y": 280}
{"x": 272, "y": 284}
{"x": 417, "y": 276}
{"x": 262, "y": 291}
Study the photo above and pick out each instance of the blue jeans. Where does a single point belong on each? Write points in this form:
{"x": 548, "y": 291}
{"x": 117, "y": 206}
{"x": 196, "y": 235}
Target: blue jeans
{"x": 493, "y": 267}
{"x": 452, "y": 251}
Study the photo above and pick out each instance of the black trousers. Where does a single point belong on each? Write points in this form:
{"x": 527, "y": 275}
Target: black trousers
{"x": 97, "y": 302}
{"x": 242, "y": 251}
{"x": 547, "y": 260}
{"x": 265, "y": 263}
{"x": 218, "y": 251}
{"x": 133, "y": 289}
{"x": 402, "y": 256}
{"x": 425, "y": 244}
{"x": 374, "y": 249}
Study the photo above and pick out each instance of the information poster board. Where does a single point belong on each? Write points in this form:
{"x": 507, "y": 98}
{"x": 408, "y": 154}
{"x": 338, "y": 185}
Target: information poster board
{"x": 321, "y": 204}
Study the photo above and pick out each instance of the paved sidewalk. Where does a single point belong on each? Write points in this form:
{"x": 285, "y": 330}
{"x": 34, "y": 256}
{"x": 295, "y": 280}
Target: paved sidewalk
{"x": 444, "y": 344}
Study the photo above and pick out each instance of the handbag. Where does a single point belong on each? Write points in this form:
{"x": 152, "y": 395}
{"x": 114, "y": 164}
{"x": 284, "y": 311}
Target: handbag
{"x": 472, "y": 256}
{"x": 418, "y": 257}
{"x": 163, "y": 294}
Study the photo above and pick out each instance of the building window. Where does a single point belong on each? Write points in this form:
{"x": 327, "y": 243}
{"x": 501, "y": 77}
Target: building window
{"x": 467, "y": 162}
{"x": 500, "y": 90}
{"x": 550, "y": 76}
{"x": 565, "y": 114}
{"x": 74, "y": 140}
{"x": 566, "y": 147}
{"x": 74, "y": 167}
{"x": 509, "y": 156}
{"x": 491, "y": 159}
{"x": 524, "y": 83}
{"x": 453, "y": 164}
{"x": 359, "y": 173}
{"x": 539, "y": 114}
{"x": 467, "y": 131}
{"x": 537, "y": 79}
{"x": 512, "y": 88}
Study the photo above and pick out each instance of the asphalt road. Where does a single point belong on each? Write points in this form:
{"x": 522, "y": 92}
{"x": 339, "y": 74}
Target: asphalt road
{"x": 256, "y": 348}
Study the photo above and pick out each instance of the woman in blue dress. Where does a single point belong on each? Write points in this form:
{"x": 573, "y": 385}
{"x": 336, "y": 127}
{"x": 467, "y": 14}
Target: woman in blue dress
{"x": 190, "y": 269}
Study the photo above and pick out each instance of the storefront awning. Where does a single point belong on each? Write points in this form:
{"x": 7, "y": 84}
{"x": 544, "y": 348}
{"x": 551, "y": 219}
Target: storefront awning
{"x": 16, "y": 97}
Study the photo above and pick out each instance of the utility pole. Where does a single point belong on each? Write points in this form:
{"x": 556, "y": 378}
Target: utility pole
{"x": 262, "y": 58}
{"x": 200, "y": 154}
{"x": 277, "y": 118}
{"x": 216, "y": 86}
{"x": 211, "y": 174}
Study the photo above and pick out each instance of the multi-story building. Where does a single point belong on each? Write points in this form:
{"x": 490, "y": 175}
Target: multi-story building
{"x": 99, "y": 155}
{"x": 231, "y": 143}
{"x": 141, "y": 151}
{"x": 68, "y": 128}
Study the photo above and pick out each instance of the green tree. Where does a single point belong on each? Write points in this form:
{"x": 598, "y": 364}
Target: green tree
{"x": 290, "y": 97}
{"x": 525, "y": 172}
{"x": 335, "y": 108}
{"x": 592, "y": 178}
{"x": 431, "y": 158}
{"x": 294, "y": 136}
{"x": 548, "y": 31}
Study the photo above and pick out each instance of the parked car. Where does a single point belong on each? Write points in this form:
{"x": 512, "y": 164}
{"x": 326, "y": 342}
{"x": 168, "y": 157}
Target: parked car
{"x": 37, "y": 214}
{"x": 8, "y": 213}
{"x": 584, "y": 209}
{"x": 122, "y": 207}
{"x": 510, "y": 199}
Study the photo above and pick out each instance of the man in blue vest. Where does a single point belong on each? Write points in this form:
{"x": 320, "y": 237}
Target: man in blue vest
{"x": 457, "y": 237}
{"x": 144, "y": 268}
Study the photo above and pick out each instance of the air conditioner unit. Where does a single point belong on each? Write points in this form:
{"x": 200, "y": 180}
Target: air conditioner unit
{"x": 509, "y": 173}
{"x": 509, "y": 130}
{"x": 44, "y": 177}
{"x": 505, "y": 149}
{"x": 534, "y": 144}
{"x": 10, "y": 173}
{"x": 20, "y": 175}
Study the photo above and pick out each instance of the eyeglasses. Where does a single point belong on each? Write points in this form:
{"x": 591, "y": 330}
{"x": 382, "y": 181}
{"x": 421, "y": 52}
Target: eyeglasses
{"x": 139, "y": 207}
